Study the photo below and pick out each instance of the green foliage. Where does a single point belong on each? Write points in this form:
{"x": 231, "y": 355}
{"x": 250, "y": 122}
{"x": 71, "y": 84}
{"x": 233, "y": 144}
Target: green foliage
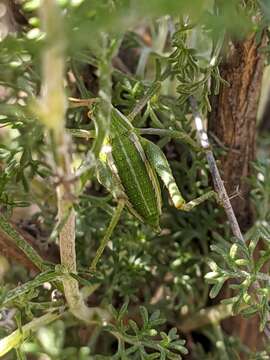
{"x": 162, "y": 275}
{"x": 241, "y": 261}
{"x": 162, "y": 345}
{"x": 50, "y": 340}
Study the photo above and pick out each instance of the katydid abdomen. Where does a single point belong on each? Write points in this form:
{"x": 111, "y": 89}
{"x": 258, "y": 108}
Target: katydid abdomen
{"x": 134, "y": 176}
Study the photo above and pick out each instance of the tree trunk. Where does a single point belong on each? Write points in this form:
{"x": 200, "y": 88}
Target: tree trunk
{"x": 233, "y": 122}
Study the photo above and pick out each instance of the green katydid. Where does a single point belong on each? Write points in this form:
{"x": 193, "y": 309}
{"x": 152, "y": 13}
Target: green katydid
{"x": 128, "y": 166}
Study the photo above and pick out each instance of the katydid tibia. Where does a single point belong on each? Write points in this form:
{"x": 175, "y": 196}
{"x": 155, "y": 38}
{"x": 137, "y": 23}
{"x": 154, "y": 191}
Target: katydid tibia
{"x": 129, "y": 166}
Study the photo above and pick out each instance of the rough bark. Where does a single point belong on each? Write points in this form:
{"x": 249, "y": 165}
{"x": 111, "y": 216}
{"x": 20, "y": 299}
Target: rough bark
{"x": 233, "y": 122}
{"x": 233, "y": 119}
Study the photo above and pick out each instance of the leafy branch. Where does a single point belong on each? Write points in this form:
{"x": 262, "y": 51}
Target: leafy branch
{"x": 144, "y": 341}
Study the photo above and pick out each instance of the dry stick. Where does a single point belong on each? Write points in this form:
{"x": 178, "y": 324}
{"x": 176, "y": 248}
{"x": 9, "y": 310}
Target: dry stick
{"x": 211, "y": 315}
{"x": 218, "y": 183}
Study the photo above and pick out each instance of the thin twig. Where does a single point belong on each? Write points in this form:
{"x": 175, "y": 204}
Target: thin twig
{"x": 18, "y": 336}
{"x": 206, "y": 316}
{"x": 218, "y": 183}
{"x": 220, "y": 189}
{"x": 22, "y": 244}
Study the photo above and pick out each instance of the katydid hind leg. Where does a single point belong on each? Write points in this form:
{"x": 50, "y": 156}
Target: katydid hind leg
{"x": 158, "y": 160}
{"x": 197, "y": 201}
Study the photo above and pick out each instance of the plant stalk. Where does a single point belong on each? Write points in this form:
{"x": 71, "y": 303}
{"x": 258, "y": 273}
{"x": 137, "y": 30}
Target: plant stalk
{"x": 18, "y": 336}
{"x": 53, "y": 105}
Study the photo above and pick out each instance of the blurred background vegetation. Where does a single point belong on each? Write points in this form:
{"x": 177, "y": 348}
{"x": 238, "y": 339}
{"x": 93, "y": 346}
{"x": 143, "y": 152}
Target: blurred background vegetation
{"x": 192, "y": 291}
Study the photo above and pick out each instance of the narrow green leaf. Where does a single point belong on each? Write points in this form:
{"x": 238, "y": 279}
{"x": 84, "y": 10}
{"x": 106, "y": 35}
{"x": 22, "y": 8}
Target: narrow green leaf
{"x": 216, "y": 288}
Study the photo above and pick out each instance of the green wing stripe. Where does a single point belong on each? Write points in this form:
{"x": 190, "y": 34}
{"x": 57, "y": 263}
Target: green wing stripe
{"x": 152, "y": 175}
{"x": 134, "y": 175}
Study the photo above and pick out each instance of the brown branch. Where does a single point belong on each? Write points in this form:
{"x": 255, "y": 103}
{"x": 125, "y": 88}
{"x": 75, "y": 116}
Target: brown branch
{"x": 233, "y": 119}
{"x": 13, "y": 253}
{"x": 218, "y": 183}
{"x": 219, "y": 187}
{"x": 211, "y": 315}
